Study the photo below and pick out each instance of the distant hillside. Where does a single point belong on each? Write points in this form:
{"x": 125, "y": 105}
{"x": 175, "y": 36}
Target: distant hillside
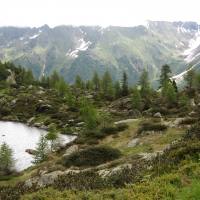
{"x": 82, "y": 50}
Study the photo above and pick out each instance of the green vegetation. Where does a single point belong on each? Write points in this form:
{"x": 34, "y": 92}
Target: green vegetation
{"x": 92, "y": 156}
{"x": 6, "y": 159}
{"x": 41, "y": 150}
{"x": 52, "y": 135}
{"x": 135, "y": 140}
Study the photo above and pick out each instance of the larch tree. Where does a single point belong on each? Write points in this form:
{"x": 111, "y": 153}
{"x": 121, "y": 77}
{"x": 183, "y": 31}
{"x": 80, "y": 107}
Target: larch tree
{"x": 6, "y": 158}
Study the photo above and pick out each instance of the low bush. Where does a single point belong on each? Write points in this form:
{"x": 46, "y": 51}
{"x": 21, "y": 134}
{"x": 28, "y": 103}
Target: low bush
{"x": 188, "y": 121}
{"x": 193, "y": 132}
{"x": 121, "y": 127}
{"x": 80, "y": 181}
{"x": 147, "y": 126}
{"x": 91, "y": 156}
{"x": 114, "y": 129}
{"x": 109, "y": 130}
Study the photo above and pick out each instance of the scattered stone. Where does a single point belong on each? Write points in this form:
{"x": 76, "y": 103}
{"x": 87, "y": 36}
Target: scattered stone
{"x": 108, "y": 172}
{"x": 134, "y": 142}
{"x": 13, "y": 102}
{"x": 40, "y": 92}
{"x": 11, "y": 78}
{"x": 80, "y": 124}
{"x": 43, "y": 107}
{"x": 30, "y": 87}
{"x": 177, "y": 121}
{"x": 66, "y": 125}
{"x": 38, "y": 124}
{"x": 192, "y": 103}
{"x": 125, "y": 121}
{"x": 31, "y": 120}
{"x": 157, "y": 115}
{"x": 150, "y": 156}
{"x": 30, "y": 151}
{"x": 90, "y": 96}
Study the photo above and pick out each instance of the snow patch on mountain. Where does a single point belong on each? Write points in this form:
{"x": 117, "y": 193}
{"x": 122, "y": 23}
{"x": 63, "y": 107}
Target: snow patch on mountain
{"x": 34, "y": 36}
{"x": 194, "y": 43}
{"x": 101, "y": 30}
{"x": 83, "y": 46}
{"x": 84, "y": 33}
{"x": 180, "y": 77}
{"x": 146, "y": 24}
{"x": 43, "y": 70}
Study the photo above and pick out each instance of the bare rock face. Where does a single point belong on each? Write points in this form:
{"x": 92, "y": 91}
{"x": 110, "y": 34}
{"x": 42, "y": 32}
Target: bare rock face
{"x": 192, "y": 103}
{"x": 109, "y": 172}
{"x": 47, "y": 179}
{"x": 11, "y": 78}
{"x": 43, "y": 180}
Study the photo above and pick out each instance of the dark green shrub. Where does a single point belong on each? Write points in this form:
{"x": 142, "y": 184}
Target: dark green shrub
{"x": 188, "y": 121}
{"x": 114, "y": 129}
{"x": 109, "y": 130}
{"x": 91, "y": 156}
{"x": 121, "y": 127}
{"x": 147, "y": 126}
{"x": 193, "y": 132}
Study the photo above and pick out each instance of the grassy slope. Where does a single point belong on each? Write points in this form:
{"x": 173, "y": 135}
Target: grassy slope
{"x": 149, "y": 143}
{"x": 178, "y": 185}
{"x": 168, "y": 186}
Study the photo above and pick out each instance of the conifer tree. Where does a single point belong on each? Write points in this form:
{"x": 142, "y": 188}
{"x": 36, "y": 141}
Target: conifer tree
{"x": 190, "y": 79}
{"x": 144, "y": 85}
{"x": 6, "y": 158}
{"x": 79, "y": 82}
{"x": 41, "y": 150}
{"x": 61, "y": 87}
{"x": 171, "y": 95}
{"x": 96, "y": 81}
{"x": 107, "y": 86}
{"x": 117, "y": 89}
{"x": 175, "y": 86}
{"x": 136, "y": 99}
{"x": 52, "y": 136}
{"x": 54, "y": 78}
{"x": 124, "y": 90}
{"x": 89, "y": 114}
{"x": 165, "y": 75}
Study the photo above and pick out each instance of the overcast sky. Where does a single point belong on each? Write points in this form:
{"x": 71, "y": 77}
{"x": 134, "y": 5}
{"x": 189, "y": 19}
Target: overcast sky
{"x": 95, "y": 12}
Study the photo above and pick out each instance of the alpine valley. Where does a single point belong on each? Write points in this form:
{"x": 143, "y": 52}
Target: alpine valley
{"x": 72, "y": 50}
